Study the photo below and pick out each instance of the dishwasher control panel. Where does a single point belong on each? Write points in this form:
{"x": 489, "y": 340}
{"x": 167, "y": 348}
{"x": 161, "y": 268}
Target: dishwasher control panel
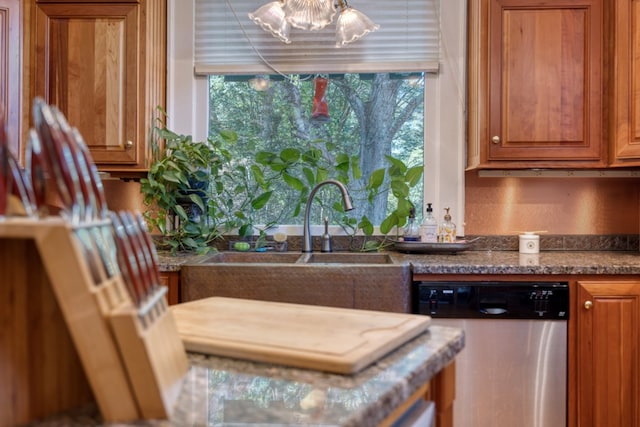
{"x": 511, "y": 300}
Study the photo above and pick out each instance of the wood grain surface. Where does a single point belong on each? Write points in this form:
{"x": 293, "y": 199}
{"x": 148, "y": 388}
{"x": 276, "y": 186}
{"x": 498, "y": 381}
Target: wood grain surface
{"x": 322, "y": 338}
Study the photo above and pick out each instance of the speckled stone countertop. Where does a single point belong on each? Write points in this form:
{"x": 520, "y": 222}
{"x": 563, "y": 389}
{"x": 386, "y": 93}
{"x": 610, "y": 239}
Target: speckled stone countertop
{"x": 495, "y": 262}
{"x": 221, "y": 391}
{"x": 512, "y": 262}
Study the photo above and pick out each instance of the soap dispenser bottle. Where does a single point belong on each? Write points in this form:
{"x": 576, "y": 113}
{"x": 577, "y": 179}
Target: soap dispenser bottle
{"x": 412, "y": 232}
{"x": 429, "y": 227}
{"x": 447, "y": 229}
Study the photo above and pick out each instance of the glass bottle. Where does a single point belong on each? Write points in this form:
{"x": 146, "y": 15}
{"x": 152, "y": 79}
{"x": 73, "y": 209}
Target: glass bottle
{"x": 429, "y": 227}
{"x": 412, "y": 232}
{"x": 447, "y": 230}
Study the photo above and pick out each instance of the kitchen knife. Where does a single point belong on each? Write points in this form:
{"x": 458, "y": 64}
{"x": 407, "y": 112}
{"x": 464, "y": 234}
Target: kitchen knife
{"x": 96, "y": 181}
{"x": 142, "y": 225}
{"x": 127, "y": 260}
{"x": 84, "y": 177}
{"x": 106, "y": 242}
{"x": 21, "y": 188}
{"x": 141, "y": 257}
{"x": 102, "y": 241}
{"x": 35, "y": 169}
{"x": 59, "y": 160}
{"x": 153, "y": 300}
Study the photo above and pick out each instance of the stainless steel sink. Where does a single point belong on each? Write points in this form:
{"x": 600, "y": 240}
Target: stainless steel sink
{"x": 347, "y": 258}
{"x": 253, "y": 257}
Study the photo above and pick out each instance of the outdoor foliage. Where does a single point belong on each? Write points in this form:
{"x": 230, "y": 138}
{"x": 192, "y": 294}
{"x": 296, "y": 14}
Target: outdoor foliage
{"x": 260, "y": 174}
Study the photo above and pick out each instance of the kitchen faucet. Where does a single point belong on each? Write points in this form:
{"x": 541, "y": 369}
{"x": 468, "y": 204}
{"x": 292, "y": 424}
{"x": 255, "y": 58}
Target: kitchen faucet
{"x": 346, "y": 202}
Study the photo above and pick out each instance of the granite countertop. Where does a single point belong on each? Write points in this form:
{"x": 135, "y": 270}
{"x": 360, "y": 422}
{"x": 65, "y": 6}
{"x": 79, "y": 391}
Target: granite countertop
{"x": 221, "y": 391}
{"x": 513, "y": 262}
{"x": 495, "y": 262}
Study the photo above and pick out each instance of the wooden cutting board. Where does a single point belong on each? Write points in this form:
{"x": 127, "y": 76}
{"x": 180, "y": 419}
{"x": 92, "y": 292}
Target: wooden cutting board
{"x": 329, "y": 339}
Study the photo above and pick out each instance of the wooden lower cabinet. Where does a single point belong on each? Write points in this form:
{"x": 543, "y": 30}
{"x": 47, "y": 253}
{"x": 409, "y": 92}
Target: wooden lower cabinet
{"x": 607, "y": 359}
{"x": 171, "y": 279}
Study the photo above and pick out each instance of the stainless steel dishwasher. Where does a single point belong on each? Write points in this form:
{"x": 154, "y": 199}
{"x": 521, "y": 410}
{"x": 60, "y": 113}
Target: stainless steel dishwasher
{"x": 513, "y": 369}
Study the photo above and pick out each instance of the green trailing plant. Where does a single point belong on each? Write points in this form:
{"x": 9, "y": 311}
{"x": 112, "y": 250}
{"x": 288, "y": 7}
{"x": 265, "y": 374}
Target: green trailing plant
{"x": 302, "y": 170}
{"x": 176, "y": 191}
{"x": 196, "y": 192}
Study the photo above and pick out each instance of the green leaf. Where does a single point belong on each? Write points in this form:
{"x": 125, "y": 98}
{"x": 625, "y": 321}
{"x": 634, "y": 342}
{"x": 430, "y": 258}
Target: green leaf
{"x": 260, "y": 201}
{"x": 257, "y": 174}
{"x": 342, "y": 158}
{"x": 229, "y": 136}
{"x": 376, "y": 178}
{"x": 198, "y": 201}
{"x": 179, "y": 210}
{"x": 312, "y": 156}
{"x": 290, "y": 155}
{"x": 397, "y": 168}
{"x": 293, "y": 182}
{"x": 388, "y": 223}
{"x": 321, "y": 174}
{"x": 278, "y": 165}
{"x": 308, "y": 174}
{"x": 413, "y": 175}
{"x": 366, "y": 226}
{"x": 404, "y": 206}
{"x": 371, "y": 246}
{"x": 245, "y": 230}
{"x": 264, "y": 157}
{"x": 399, "y": 188}
{"x": 355, "y": 167}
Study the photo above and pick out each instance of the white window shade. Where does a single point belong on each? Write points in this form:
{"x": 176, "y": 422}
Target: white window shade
{"x": 228, "y": 42}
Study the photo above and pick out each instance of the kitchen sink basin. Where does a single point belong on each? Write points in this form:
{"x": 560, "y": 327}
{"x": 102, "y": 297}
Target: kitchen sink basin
{"x": 347, "y": 258}
{"x": 370, "y": 281}
{"x": 254, "y": 257}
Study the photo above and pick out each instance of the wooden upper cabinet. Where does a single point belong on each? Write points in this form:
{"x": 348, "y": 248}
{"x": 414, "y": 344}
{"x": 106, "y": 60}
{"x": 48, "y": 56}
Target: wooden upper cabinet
{"x": 625, "y": 120}
{"x": 536, "y": 83}
{"x": 608, "y": 354}
{"x": 103, "y": 65}
{"x": 10, "y": 69}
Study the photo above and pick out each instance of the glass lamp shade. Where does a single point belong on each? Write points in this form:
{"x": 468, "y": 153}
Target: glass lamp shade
{"x": 352, "y": 25}
{"x": 309, "y": 14}
{"x": 271, "y": 18}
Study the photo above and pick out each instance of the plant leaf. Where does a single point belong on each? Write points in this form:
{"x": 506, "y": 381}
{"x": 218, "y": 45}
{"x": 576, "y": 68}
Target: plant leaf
{"x": 260, "y": 201}
{"x": 290, "y": 155}
{"x": 413, "y": 175}
{"x": 293, "y": 182}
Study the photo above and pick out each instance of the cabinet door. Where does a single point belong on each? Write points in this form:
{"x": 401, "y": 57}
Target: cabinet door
{"x": 171, "y": 279}
{"x": 625, "y": 126}
{"x": 542, "y": 91}
{"x": 102, "y": 64}
{"x": 608, "y": 357}
{"x": 10, "y": 68}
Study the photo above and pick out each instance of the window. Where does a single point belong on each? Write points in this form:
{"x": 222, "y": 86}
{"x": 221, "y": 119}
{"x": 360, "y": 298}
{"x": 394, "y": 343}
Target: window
{"x": 443, "y": 109}
{"x": 359, "y": 118}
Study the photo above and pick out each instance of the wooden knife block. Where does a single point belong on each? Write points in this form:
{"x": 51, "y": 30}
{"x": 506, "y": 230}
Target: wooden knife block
{"x": 66, "y": 341}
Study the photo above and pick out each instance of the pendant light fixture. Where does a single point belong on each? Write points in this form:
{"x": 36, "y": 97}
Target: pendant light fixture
{"x": 277, "y": 17}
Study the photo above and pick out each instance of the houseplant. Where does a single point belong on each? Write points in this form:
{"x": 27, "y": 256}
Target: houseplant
{"x": 195, "y": 191}
{"x": 177, "y": 190}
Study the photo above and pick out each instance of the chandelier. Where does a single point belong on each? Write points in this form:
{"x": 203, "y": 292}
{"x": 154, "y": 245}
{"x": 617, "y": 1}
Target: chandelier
{"x": 277, "y": 17}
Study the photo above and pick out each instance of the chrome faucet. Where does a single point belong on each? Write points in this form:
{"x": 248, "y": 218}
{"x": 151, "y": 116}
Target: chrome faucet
{"x": 346, "y": 202}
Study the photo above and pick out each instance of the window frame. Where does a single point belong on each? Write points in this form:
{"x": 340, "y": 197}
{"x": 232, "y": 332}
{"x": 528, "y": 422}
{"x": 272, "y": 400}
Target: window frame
{"x": 444, "y": 141}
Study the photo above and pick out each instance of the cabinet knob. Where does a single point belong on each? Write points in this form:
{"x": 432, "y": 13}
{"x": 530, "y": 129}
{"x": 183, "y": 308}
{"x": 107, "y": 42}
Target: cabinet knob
{"x": 128, "y": 145}
{"x": 588, "y": 305}
{"x": 495, "y": 139}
